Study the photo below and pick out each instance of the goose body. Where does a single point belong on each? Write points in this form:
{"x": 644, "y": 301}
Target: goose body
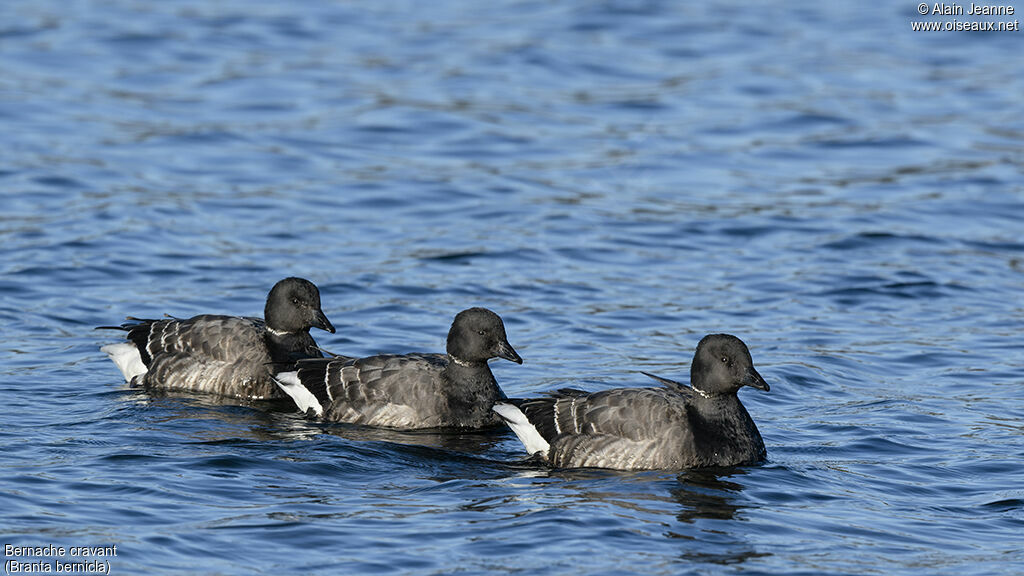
{"x": 225, "y": 355}
{"x": 670, "y": 427}
{"x": 410, "y": 391}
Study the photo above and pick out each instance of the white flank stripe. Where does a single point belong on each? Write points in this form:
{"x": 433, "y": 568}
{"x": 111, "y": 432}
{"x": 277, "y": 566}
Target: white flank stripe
{"x": 304, "y": 399}
{"x": 127, "y": 358}
{"x": 526, "y": 432}
{"x": 327, "y": 381}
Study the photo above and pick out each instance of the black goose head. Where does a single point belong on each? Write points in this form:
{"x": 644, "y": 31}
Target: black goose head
{"x": 477, "y": 335}
{"x": 293, "y": 305}
{"x": 722, "y": 365}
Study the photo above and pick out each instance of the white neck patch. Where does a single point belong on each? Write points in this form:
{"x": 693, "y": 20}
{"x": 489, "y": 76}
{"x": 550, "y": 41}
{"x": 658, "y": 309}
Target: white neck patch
{"x": 462, "y": 363}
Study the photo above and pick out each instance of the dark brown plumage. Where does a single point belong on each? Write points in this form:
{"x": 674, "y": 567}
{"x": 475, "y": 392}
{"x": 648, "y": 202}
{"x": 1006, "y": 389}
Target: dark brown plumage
{"x": 224, "y": 355}
{"x": 673, "y": 427}
{"x": 411, "y": 391}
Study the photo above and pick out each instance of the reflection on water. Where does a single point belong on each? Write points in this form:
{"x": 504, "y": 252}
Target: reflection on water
{"x": 707, "y": 494}
{"x": 474, "y": 442}
{"x": 276, "y": 420}
{"x": 707, "y": 499}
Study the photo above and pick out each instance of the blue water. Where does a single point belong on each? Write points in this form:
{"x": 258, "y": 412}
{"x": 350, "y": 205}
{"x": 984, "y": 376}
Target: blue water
{"x": 616, "y": 179}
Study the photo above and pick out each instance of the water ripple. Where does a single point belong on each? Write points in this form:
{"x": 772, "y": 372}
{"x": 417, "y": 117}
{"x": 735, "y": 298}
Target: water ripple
{"x": 616, "y": 179}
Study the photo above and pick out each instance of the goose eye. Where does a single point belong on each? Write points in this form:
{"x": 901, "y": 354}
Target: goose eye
{"x": 295, "y": 301}
{"x": 725, "y": 359}
{"x": 482, "y": 332}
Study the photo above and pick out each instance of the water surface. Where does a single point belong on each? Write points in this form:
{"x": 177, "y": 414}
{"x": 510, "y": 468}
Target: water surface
{"x": 615, "y": 179}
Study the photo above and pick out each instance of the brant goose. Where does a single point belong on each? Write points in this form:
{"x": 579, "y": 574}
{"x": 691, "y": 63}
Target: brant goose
{"x": 674, "y": 427}
{"x": 225, "y": 355}
{"x": 411, "y": 391}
